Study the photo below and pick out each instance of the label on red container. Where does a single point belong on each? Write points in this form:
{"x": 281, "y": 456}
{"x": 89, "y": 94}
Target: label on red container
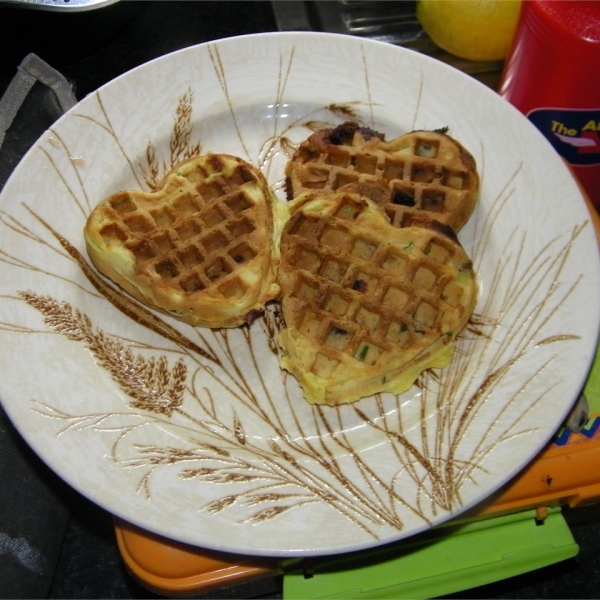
{"x": 574, "y": 133}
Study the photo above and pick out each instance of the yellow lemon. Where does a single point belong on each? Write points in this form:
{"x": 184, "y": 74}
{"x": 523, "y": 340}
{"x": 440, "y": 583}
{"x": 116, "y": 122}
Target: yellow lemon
{"x": 471, "y": 29}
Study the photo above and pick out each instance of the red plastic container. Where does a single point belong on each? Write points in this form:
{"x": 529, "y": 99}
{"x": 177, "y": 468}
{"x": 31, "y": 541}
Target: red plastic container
{"x": 551, "y": 75}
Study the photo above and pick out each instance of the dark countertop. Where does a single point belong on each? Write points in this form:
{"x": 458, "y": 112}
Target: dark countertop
{"x": 90, "y": 49}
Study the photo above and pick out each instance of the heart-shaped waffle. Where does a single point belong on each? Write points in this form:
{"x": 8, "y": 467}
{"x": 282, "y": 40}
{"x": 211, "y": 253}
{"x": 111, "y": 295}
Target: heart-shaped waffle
{"x": 203, "y": 248}
{"x": 421, "y": 174}
{"x": 367, "y": 306}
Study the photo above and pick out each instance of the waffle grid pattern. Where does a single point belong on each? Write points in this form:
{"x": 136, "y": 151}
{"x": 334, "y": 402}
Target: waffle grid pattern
{"x": 196, "y": 240}
{"x": 412, "y": 174}
{"x": 360, "y": 299}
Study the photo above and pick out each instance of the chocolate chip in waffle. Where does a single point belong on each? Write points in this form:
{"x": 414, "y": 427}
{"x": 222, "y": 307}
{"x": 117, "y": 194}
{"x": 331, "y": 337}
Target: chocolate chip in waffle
{"x": 422, "y": 173}
{"x": 203, "y": 248}
{"x": 367, "y": 306}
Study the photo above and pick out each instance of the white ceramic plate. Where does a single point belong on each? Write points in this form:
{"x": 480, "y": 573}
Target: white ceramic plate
{"x": 236, "y": 460}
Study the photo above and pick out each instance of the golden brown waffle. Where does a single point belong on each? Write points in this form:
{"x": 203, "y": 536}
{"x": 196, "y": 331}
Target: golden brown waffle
{"x": 367, "y": 306}
{"x": 204, "y": 248}
{"x": 422, "y": 173}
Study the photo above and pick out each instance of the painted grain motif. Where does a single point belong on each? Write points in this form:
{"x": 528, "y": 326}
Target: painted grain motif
{"x": 213, "y": 390}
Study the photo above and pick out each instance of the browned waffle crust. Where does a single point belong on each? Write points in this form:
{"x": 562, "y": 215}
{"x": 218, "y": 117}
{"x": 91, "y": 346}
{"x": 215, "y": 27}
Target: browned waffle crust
{"x": 204, "y": 248}
{"x": 422, "y": 173}
{"x": 367, "y": 306}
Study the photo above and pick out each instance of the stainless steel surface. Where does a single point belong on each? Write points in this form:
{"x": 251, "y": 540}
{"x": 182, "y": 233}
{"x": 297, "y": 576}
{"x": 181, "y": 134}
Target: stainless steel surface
{"x": 389, "y": 21}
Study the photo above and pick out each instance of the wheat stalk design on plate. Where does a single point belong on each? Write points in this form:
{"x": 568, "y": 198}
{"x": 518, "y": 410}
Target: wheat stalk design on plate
{"x": 163, "y": 390}
{"x": 303, "y": 456}
{"x": 180, "y": 144}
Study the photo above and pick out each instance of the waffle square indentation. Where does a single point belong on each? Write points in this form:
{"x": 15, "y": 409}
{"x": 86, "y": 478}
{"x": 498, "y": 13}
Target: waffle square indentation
{"x": 138, "y": 223}
{"x": 398, "y": 334}
{"x": 213, "y": 217}
{"x": 423, "y": 174}
{"x": 241, "y": 175}
{"x": 348, "y": 211}
{"x": 188, "y": 229}
{"x": 306, "y": 260}
{"x": 209, "y": 190}
{"x": 341, "y": 179}
{"x": 164, "y": 217}
{"x": 122, "y": 203}
{"x": 232, "y": 288}
{"x": 333, "y": 270}
{"x": 315, "y": 177}
{"x": 454, "y": 179}
{"x": 240, "y": 228}
{"x": 338, "y": 338}
{"x": 394, "y": 263}
{"x": 452, "y": 294}
{"x": 437, "y": 252}
{"x": 367, "y": 318}
{"x": 238, "y": 203}
{"x": 393, "y": 169}
{"x": 365, "y": 283}
{"x": 433, "y": 200}
{"x": 167, "y": 270}
{"x": 190, "y": 257}
{"x": 191, "y": 284}
{"x": 218, "y": 269}
{"x": 306, "y": 291}
{"x": 309, "y": 326}
{"x": 363, "y": 249}
{"x": 427, "y": 148}
{"x": 368, "y": 353}
{"x": 336, "y": 304}
{"x": 403, "y": 197}
{"x": 425, "y": 314}
{"x": 214, "y": 241}
{"x": 365, "y": 163}
{"x": 142, "y": 251}
{"x": 333, "y": 236}
{"x": 185, "y": 205}
{"x": 114, "y": 231}
{"x": 303, "y": 227}
{"x": 242, "y": 253}
{"x": 396, "y": 298}
{"x": 338, "y": 158}
{"x": 163, "y": 242}
{"x": 424, "y": 278}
